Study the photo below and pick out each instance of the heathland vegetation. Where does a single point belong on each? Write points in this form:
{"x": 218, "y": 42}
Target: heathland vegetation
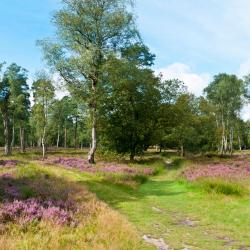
{"x": 165, "y": 169}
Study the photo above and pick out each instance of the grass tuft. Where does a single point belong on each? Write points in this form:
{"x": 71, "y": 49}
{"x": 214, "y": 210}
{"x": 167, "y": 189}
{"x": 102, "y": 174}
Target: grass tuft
{"x": 220, "y": 186}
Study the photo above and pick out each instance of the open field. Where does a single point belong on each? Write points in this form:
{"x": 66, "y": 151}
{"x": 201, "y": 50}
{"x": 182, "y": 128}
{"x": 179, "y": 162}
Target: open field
{"x": 113, "y": 205}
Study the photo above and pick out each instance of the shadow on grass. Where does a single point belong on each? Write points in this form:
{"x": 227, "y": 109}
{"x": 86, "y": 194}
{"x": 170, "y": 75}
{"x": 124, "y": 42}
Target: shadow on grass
{"x": 147, "y": 161}
{"x": 33, "y": 183}
{"x": 176, "y": 164}
{"x": 114, "y": 194}
{"x": 169, "y": 154}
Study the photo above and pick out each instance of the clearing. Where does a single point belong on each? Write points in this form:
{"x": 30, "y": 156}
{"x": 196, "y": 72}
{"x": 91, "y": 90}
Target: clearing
{"x": 161, "y": 201}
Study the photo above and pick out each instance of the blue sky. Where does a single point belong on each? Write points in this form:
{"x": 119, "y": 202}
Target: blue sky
{"x": 192, "y": 39}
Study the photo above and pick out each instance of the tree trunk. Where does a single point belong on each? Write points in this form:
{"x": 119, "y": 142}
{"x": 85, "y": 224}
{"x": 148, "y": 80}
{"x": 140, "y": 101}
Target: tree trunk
{"x": 240, "y": 147}
{"x": 7, "y": 146}
{"x": 65, "y": 137}
{"x": 39, "y": 142}
{"x": 22, "y": 140}
{"x": 13, "y": 134}
{"x": 91, "y": 155}
{"x": 132, "y": 157}
{"x": 231, "y": 140}
{"x": 182, "y": 150}
{"x": 58, "y": 137}
{"x": 160, "y": 148}
{"x": 75, "y": 134}
{"x": 43, "y": 142}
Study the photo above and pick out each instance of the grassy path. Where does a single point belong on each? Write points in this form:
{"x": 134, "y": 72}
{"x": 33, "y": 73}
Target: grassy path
{"x": 185, "y": 217}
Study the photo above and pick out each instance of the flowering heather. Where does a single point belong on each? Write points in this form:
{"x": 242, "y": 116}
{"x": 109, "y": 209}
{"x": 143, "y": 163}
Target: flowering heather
{"x": 230, "y": 171}
{"x": 84, "y": 166}
{"x": 6, "y": 176}
{"x": 8, "y": 163}
{"x": 35, "y": 210}
{"x": 10, "y": 189}
{"x": 16, "y": 209}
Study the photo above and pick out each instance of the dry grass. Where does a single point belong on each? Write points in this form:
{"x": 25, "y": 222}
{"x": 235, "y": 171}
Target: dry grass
{"x": 99, "y": 227}
{"x": 108, "y": 230}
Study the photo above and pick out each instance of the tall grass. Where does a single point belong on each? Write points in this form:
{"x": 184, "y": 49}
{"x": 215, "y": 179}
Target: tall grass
{"x": 219, "y": 186}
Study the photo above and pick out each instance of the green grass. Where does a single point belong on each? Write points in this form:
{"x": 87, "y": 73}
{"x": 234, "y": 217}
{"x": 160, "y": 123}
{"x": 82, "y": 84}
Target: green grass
{"x": 219, "y": 186}
{"x": 210, "y": 214}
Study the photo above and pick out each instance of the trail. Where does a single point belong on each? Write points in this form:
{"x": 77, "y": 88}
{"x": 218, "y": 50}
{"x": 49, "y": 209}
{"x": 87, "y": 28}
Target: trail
{"x": 171, "y": 214}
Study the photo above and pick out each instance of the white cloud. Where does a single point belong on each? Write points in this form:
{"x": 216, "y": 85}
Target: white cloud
{"x": 195, "y": 82}
{"x": 60, "y": 86}
{"x": 245, "y": 113}
{"x": 244, "y": 69}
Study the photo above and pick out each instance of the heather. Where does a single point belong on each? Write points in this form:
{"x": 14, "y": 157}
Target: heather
{"x": 63, "y": 214}
{"x": 102, "y": 167}
{"x": 112, "y": 146}
{"x": 8, "y": 163}
{"x": 24, "y": 201}
{"x": 30, "y": 210}
{"x": 229, "y": 170}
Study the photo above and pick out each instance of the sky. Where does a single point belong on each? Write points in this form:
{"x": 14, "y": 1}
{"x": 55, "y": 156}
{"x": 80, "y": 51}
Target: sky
{"x": 193, "y": 39}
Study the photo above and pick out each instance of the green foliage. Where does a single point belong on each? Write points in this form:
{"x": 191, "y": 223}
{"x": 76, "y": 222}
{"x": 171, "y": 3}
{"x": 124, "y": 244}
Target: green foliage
{"x": 88, "y": 32}
{"x": 227, "y": 95}
{"x": 129, "y": 112}
{"x": 14, "y": 103}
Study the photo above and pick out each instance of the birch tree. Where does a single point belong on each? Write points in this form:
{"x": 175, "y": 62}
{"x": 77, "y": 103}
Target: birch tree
{"x": 87, "y": 32}
{"x": 43, "y": 93}
{"x": 227, "y": 94}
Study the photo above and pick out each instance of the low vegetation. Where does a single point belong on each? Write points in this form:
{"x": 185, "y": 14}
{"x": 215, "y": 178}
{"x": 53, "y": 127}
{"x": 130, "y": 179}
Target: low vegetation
{"x": 146, "y": 164}
{"x": 48, "y": 205}
{"x": 41, "y": 211}
{"x": 220, "y": 186}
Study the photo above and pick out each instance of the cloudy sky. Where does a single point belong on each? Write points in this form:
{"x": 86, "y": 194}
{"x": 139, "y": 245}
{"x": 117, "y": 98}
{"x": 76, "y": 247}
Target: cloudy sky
{"x": 192, "y": 39}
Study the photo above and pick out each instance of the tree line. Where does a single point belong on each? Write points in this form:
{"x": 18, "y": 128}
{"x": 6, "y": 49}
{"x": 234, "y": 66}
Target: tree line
{"x": 115, "y": 100}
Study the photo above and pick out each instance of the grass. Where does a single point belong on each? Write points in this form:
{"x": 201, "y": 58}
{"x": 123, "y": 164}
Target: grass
{"x": 208, "y": 214}
{"x": 219, "y": 186}
{"x": 99, "y": 227}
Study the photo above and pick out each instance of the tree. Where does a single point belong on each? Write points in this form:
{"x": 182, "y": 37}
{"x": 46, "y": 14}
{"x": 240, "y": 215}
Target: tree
{"x": 185, "y": 116}
{"x": 43, "y": 93}
{"x": 68, "y": 115}
{"x": 19, "y": 101}
{"x": 132, "y": 98}
{"x": 170, "y": 91}
{"x": 5, "y": 110}
{"x": 227, "y": 95}
{"x": 89, "y": 31}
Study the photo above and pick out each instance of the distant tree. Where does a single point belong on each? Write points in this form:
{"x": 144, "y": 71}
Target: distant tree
{"x": 57, "y": 119}
{"x": 67, "y": 115}
{"x": 185, "y": 116}
{"x": 88, "y": 32}
{"x": 170, "y": 91}
{"x": 5, "y": 110}
{"x": 43, "y": 93}
{"x": 227, "y": 94}
{"x": 19, "y": 101}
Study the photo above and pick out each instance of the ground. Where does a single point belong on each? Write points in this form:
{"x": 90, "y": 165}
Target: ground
{"x": 159, "y": 201}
